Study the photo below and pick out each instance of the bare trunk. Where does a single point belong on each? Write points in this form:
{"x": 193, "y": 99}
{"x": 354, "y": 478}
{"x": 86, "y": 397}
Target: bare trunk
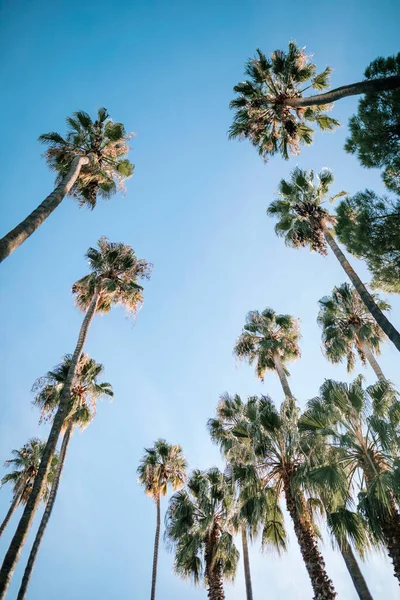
{"x": 354, "y": 570}
{"x": 21, "y": 232}
{"x": 315, "y": 565}
{"x": 372, "y": 361}
{"x": 282, "y": 377}
{"x": 381, "y": 84}
{"x": 18, "y": 541}
{"x": 46, "y": 516}
{"x": 14, "y": 503}
{"x": 155, "y": 556}
{"x": 246, "y": 564}
{"x": 215, "y": 584}
{"x": 365, "y": 296}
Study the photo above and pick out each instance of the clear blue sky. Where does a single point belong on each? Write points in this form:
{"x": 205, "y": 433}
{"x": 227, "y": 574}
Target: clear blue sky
{"x": 196, "y": 209}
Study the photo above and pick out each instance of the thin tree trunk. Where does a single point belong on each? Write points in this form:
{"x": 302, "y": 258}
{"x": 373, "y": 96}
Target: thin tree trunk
{"x": 14, "y": 503}
{"x": 46, "y": 515}
{"x": 372, "y": 361}
{"x": 15, "y": 548}
{"x": 155, "y": 556}
{"x": 380, "y": 84}
{"x": 21, "y": 232}
{"x": 215, "y": 583}
{"x": 246, "y": 564}
{"x": 365, "y": 296}
{"x": 282, "y": 377}
{"x": 315, "y": 565}
{"x": 354, "y": 570}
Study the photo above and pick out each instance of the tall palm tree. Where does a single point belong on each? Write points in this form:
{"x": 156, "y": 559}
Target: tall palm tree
{"x": 304, "y": 221}
{"x": 257, "y": 508}
{"x": 85, "y": 392}
{"x": 271, "y": 111}
{"x": 162, "y": 466}
{"x": 115, "y": 271}
{"x": 25, "y": 464}
{"x": 199, "y": 526}
{"x": 273, "y": 438}
{"x": 348, "y": 328}
{"x": 269, "y": 340}
{"x": 361, "y": 426}
{"x": 90, "y": 161}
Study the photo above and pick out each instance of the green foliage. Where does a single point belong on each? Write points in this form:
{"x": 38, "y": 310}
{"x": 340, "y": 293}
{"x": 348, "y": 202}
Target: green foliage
{"x": 299, "y": 209}
{"x": 375, "y": 129}
{"x": 161, "y": 466}
{"x": 262, "y": 114}
{"x": 266, "y": 335}
{"x": 200, "y": 528}
{"x": 115, "y": 271}
{"x": 85, "y": 392}
{"x": 25, "y": 464}
{"x": 346, "y": 324}
{"x": 104, "y": 142}
{"x": 369, "y": 227}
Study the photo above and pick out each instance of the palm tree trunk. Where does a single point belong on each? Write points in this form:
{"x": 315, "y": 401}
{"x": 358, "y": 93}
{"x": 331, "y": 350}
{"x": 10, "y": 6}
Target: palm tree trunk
{"x": 213, "y": 571}
{"x": 315, "y": 565}
{"x": 372, "y": 361}
{"x": 282, "y": 376}
{"x": 246, "y": 563}
{"x": 354, "y": 570}
{"x": 380, "y": 84}
{"x": 46, "y": 515}
{"x": 365, "y": 296}
{"x": 155, "y": 556}
{"x": 14, "y": 503}
{"x": 15, "y": 548}
{"x": 21, "y": 232}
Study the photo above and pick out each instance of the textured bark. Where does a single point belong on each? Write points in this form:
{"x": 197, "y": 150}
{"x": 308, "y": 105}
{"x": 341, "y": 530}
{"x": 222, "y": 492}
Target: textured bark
{"x": 365, "y": 296}
{"x": 18, "y": 541}
{"x": 246, "y": 564}
{"x": 372, "y": 361}
{"x": 381, "y": 84}
{"x": 46, "y": 516}
{"x": 155, "y": 555}
{"x": 282, "y": 376}
{"x": 354, "y": 570}
{"x": 21, "y": 232}
{"x": 215, "y": 584}
{"x": 315, "y": 565}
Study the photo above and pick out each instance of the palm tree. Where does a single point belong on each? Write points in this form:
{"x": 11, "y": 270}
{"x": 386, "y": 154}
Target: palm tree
{"x": 349, "y": 329}
{"x": 25, "y": 464}
{"x": 361, "y": 427}
{"x": 270, "y": 340}
{"x": 199, "y": 526}
{"x": 256, "y": 504}
{"x": 274, "y": 440}
{"x": 90, "y": 161}
{"x": 271, "y": 111}
{"x": 115, "y": 271}
{"x": 86, "y": 390}
{"x": 304, "y": 221}
{"x": 161, "y": 466}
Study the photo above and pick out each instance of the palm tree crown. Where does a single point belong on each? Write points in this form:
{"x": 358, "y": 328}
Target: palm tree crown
{"x": 263, "y": 112}
{"x": 114, "y": 274}
{"x": 265, "y": 336}
{"x": 25, "y": 464}
{"x": 104, "y": 142}
{"x": 199, "y": 525}
{"x": 299, "y": 208}
{"x": 347, "y": 325}
{"x": 161, "y": 466}
{"x": 85, "y": 392}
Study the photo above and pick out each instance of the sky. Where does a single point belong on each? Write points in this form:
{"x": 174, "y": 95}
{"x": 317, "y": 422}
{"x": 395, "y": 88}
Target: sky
{"x": 195, "y": 208}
